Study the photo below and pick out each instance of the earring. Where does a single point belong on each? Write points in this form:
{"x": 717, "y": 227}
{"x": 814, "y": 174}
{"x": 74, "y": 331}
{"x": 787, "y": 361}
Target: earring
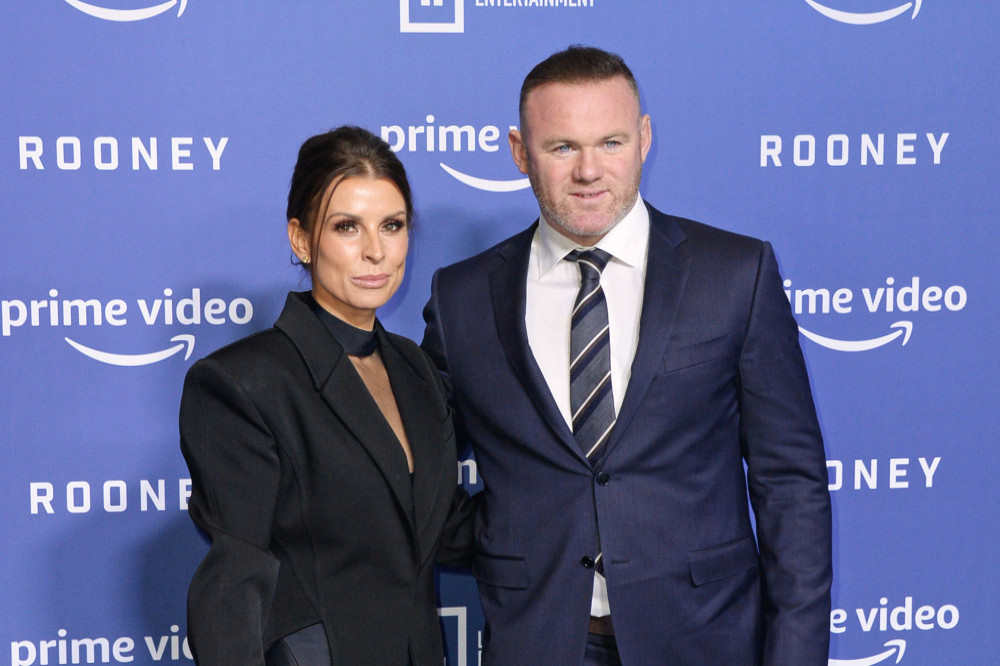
{"x": 304, "y": 260}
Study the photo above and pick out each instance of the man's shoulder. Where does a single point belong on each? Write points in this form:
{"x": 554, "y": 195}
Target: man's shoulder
{"x": 698, "y": 236}
{"x": 484, "y": 262}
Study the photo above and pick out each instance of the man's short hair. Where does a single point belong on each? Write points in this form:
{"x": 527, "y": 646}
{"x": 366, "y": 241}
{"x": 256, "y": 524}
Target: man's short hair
{"x": 577, "y": 64}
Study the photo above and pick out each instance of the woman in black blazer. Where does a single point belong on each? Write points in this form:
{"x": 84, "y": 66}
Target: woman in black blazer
{"x": 321, "y": 451}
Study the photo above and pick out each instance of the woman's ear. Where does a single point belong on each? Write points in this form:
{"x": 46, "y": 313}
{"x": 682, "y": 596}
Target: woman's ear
{"x": 299, "y": 240}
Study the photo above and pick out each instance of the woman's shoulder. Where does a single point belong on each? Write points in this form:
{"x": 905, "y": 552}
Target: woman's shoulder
{"x": 261, "y": 344}
{"x": 267, "y": 347}
{"x": 258, "y": 359}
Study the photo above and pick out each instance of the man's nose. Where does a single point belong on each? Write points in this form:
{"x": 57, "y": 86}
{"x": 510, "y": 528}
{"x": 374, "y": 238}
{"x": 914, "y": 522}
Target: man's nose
{"x": 588, "y": 167}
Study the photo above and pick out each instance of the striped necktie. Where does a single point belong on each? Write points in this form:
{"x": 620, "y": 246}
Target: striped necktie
{"x": 591, "y": 400}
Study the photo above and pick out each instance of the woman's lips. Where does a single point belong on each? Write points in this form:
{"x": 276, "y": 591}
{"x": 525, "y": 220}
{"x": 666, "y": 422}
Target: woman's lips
{"x": 371, "y": 281}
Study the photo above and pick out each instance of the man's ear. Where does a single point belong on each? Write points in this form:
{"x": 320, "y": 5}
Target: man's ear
{"x": 518, "y": 150}
{"x": 645, "y": 136}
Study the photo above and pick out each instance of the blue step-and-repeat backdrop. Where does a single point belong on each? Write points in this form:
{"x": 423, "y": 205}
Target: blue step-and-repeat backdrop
{"x": 145, "y": 153}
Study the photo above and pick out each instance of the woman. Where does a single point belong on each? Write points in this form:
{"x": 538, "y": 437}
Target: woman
{"x": 321, "y": 451}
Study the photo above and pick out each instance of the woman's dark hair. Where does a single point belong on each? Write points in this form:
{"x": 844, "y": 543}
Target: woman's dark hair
{"x": 341, "y": 153}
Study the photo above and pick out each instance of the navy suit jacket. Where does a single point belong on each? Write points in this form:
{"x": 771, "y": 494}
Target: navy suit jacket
{"x": 718, "y": 382}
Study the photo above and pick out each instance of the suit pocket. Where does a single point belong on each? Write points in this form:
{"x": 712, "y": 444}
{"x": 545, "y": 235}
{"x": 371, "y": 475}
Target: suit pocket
{"x": 681, "y": 356}
{"x": 720, "y": 562}
{"x": 509, "y": 572}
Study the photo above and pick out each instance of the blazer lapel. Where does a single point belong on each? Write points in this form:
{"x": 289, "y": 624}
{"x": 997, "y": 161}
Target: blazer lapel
{"x": 345, "y": 393}
{"x": 348, "y": 397}
{"x": 508, "y": 291}
{"x": 667, "y": 270}
{"x": 424, "y": 431}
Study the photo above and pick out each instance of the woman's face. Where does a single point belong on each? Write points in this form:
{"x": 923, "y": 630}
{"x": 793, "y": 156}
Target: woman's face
{"x": 357, "y": 251}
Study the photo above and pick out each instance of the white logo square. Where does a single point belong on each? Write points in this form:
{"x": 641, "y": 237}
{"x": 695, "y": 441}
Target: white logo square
{"x": 456, "y": 25}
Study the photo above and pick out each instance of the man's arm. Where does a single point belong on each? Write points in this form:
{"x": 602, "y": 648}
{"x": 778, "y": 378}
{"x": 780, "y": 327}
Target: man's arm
{"x": 786, "y": 470}
{"x": 457, "y": 537}
{"x": 433, "y": 342}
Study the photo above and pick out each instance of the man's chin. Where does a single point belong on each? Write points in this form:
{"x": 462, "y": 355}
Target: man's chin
{"x": 590, "y": 228}
{"x": 578, "y": 224}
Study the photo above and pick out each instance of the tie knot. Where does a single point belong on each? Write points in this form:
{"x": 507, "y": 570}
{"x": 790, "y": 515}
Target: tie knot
{"x": 591, "y": 262}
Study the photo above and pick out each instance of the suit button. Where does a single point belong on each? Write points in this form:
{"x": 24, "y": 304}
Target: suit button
{"x": 587, "y": 561}
{"x": 603, "y": 479}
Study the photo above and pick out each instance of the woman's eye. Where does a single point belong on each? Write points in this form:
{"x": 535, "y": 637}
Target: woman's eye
{"x": 395, "y": 225}
{"x": 344, "y": 227}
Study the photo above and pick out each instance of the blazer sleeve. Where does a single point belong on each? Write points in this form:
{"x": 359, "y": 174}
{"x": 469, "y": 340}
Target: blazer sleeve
{"x": 786, "y": 471}
{"x": 457, "y": 542}
{"x": 233, "y": 462}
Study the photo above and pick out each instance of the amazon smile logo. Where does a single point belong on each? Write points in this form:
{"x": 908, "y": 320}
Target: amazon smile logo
{"x": 904, "y": 328}
{"x": 904, "y": 300}
{"x": 865, "y": 18}
{"x": 133, "y": 360}
{"x": 127, "y": 15}
{"x": 437, "y": 138}
{"x": 57, "y": 312}
{"x": 896, "y": 649}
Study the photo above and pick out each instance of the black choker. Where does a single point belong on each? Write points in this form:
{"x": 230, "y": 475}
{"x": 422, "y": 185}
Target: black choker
{"x": 355, "y": 341}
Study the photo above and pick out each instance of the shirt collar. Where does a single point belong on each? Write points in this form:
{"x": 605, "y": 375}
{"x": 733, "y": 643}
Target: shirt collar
{"x": 626, "y": 242}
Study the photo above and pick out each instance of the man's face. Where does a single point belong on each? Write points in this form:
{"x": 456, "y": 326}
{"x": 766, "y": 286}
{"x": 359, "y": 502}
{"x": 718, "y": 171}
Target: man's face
{"x": 582, "y": 147}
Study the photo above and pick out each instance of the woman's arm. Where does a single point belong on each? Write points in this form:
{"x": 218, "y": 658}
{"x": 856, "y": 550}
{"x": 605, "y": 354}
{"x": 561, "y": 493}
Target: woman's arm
{"x": 231, "y": 455}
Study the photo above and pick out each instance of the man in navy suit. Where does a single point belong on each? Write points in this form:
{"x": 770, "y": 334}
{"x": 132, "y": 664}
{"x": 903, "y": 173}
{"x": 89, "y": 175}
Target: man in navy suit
{"x": 627, "y": 406}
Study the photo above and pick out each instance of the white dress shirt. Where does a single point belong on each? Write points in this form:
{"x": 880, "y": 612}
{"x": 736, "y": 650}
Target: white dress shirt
{"x": 552, "y": 286}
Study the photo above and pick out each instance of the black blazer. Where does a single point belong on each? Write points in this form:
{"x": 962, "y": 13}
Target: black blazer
{"x": 304, "y": 491}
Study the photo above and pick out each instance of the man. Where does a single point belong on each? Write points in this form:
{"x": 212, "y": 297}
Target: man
{"x": 612, "y": 399}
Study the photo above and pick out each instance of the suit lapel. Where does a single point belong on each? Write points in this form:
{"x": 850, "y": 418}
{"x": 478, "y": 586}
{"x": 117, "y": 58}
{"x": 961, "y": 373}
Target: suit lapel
{"x": 667, "y": 270}
{"x": 508, "y": 292}
{"x": 345, "y": 393}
